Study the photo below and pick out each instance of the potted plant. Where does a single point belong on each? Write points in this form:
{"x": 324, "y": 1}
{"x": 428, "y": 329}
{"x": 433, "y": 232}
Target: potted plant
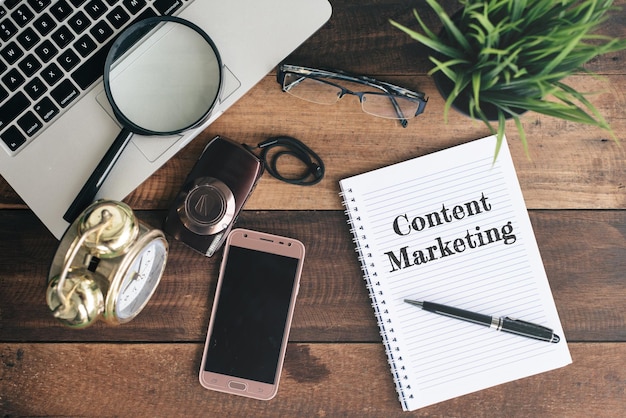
{"x": 496, "y": 59}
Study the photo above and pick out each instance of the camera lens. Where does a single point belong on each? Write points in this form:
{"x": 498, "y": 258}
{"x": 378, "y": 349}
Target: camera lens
{"x": 208, "y": 207}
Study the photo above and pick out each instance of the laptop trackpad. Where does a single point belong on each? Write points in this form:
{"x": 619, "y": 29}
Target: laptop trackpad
{"x": 152, "y": 147}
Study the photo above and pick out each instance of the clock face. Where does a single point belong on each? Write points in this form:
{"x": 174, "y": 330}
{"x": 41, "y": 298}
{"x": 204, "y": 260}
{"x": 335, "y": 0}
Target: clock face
{"x": 141, "y": 279}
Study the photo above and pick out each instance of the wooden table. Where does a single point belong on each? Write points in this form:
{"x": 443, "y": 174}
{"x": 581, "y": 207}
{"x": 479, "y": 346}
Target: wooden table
{"x": 575, "y": 188}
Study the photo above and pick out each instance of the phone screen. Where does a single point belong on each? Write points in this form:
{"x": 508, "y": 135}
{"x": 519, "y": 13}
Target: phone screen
{"x": 251, "y": 315}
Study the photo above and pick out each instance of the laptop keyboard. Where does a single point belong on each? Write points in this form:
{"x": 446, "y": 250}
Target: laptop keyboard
{"x": 52, "y": 52}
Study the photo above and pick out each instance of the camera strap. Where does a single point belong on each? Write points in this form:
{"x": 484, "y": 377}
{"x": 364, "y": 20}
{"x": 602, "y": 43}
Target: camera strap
{"x": 274, "y": 148}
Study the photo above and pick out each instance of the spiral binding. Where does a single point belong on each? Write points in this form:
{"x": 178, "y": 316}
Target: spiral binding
{"x": 394, "y": 357}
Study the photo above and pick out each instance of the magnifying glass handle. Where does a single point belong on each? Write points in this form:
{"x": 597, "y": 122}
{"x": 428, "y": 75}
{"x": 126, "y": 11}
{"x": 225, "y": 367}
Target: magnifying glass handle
{"x": 87, "y": 194}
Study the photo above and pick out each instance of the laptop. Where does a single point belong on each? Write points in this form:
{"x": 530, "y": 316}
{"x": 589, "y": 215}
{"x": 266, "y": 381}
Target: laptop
{"x": 55, "y": 121}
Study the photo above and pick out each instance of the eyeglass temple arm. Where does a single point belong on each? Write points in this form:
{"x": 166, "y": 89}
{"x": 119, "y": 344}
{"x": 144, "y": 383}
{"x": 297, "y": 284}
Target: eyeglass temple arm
{"x": 399, "y": 112}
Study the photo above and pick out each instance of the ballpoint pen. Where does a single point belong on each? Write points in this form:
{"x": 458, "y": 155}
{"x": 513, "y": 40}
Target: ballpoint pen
{"x": 506, "y": 324}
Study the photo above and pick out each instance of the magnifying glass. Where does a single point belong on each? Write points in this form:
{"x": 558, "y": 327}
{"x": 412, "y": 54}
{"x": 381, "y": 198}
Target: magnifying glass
{"x": 162, "y": 76}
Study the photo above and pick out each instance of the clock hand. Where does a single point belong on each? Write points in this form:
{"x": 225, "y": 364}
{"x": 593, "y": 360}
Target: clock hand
{"x": 135, "y": 276}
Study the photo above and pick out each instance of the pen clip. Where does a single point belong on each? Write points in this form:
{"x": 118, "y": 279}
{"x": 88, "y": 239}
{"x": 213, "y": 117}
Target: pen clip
{"x": 532, "y": 324}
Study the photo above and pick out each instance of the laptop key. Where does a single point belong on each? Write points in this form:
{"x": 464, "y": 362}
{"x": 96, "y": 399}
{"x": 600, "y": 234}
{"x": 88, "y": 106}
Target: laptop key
{"x": 68, "y": 59}
{"x": 167, "y": 7}
{"x": 44, "y": 24}
{"x": 101, "y": 31}
{"x": 61, "y": 10}
{"x": 134, "y": 6}
{"x": 12, "y": 108}
{"x": 65, "y": 93}
{"x": 46, "y": 51}
{"x": 28, "y": 38}
{"x": 11, "y": 53}
{"x": 13, "y": 138}
{"x": 117, "y": 17}
{"x": 29, "y": 65}
{"x": 63, "y": 36}
{"x": 7, "y": 30}
{"x": 29, "y": 123}
{"x": 46, "y": 109}
{"x": 51, "y": 74}
{"x": 22, "y": 15}
{"x": 35, "y": 88}
{"x": 39, "y": 5}
{"x": 79, "y": 22}
{"x": 13, "y": 79}
{"x": 85, "y": 45}
{"x": 95, "y": 8}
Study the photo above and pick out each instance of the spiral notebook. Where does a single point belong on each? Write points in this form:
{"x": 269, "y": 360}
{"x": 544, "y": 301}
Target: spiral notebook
{"x": 452, "y": 227}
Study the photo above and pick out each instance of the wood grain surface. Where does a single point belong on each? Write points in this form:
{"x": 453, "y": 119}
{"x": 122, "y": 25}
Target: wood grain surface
{"x": 573, "y": 180}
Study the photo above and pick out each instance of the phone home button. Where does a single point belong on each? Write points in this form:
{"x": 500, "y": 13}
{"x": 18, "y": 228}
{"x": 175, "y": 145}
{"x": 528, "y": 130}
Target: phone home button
{"x": 236, "y": 385}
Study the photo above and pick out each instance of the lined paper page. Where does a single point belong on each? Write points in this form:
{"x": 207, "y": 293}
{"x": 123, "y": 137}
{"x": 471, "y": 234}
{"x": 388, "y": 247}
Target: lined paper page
{"x": 452, "y": 228}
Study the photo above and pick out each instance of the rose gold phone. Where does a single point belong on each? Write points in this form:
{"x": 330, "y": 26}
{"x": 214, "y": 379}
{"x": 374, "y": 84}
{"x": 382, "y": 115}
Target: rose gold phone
{"x": 251, "y": 317}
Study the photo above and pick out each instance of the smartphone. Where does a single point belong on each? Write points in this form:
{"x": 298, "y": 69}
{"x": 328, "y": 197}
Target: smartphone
{"x": 251, "y": 316}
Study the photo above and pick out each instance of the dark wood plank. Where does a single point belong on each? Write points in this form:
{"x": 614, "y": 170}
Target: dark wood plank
{"x": 583, "y": 253}
{"x": 318, "y": 380}
{"x": 360, "y": 38}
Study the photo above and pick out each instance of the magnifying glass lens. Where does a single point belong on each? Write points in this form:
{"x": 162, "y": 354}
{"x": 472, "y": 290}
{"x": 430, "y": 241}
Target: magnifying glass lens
{"x": 164, "y": 77}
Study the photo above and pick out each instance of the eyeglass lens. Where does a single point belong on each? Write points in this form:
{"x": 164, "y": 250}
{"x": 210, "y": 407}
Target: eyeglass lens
{"x": 377, "y": 104}
{"x": 311, "y": 90}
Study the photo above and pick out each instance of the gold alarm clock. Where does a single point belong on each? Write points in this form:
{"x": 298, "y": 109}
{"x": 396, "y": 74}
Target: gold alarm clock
{"x": 107, "y": 267}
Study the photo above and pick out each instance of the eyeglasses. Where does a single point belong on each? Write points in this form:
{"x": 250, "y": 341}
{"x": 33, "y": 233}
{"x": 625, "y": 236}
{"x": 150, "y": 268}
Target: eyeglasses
{"x": 322, "y": 87}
